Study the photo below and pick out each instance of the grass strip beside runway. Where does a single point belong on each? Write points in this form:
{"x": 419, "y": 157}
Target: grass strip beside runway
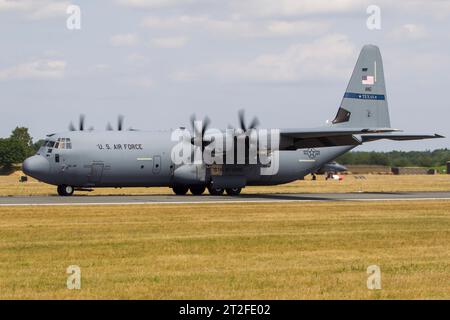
{"x": 233, "y": 251}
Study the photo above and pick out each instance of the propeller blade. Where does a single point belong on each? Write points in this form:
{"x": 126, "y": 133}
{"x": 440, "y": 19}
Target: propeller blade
{"x": 109, "y": 127}
{"x": 120, "y": 123}
{"x": 198, "y": 132}
{"x": 192, "y": 121}
{"x": 254, "y": 123}
{"x": 81, "y": 124}
{"x": 72, "y": 127}
{"x": 206, "y": 122}
{"x": 242, "y": 120}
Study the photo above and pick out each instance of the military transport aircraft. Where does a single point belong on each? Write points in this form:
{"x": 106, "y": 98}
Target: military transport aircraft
{"x": 86, "y": 159}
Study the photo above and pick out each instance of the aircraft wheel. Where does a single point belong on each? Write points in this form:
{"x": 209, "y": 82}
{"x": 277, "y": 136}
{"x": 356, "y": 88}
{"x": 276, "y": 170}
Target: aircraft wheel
{"x": 233, "y": 191}
{"x": 197, "y": 190}
{"x": 180, "y": 190}
{"x": 65, "y": 191}
{"x": 215, "y": 191}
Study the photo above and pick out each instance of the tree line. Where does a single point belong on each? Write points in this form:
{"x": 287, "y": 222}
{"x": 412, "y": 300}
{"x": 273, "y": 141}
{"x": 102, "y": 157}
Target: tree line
{"x": 17, "y": 147}
{"x": 436, "y": 158}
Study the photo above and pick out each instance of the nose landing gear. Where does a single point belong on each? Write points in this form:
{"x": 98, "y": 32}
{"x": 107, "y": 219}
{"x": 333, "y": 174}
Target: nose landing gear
{"x": 65, "y": 191}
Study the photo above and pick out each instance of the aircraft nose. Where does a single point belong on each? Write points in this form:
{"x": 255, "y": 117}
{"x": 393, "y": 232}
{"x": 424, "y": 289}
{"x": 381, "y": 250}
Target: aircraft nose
{"x": 36, "y": 166}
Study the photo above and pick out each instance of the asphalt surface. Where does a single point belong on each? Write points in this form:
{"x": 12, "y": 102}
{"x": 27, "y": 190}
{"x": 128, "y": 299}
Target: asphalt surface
{"x": 244, "y": 198}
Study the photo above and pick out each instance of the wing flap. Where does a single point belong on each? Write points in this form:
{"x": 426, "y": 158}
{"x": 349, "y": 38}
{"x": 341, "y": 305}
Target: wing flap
{"x": 292, "y": 139}
{"x": 332, "y": 131}
{"x": 399, "y": 137}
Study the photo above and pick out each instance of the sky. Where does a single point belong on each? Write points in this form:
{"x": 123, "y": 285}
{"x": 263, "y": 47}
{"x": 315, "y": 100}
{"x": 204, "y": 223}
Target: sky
{"x": 157, "y": 62}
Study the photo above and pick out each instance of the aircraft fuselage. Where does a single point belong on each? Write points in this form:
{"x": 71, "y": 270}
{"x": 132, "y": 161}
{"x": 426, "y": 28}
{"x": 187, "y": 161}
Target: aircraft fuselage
{"x": 143, "y": 159}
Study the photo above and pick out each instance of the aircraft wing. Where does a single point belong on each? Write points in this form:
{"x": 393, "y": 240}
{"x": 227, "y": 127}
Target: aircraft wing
{"x": 292, "y": 139}
{"x": 399, "y": 137}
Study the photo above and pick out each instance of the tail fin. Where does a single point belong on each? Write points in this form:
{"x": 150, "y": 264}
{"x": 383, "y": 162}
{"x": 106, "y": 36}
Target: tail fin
{"x": 365, "y": 103}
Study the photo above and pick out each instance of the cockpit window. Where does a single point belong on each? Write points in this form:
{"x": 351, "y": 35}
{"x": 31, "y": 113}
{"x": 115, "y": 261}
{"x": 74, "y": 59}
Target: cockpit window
{"x": 60, "y": 143}
{"x": 63, "y": 143}
{"x": 49, "y": 144}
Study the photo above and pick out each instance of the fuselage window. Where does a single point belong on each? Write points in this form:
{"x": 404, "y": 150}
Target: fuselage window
{"x": 57, "y": 158}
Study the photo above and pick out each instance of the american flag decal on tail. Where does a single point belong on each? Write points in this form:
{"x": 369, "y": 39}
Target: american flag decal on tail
{"x": 368, "y": 80}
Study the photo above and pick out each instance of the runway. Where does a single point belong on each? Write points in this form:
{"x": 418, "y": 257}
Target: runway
{"x": 86, "y": 200}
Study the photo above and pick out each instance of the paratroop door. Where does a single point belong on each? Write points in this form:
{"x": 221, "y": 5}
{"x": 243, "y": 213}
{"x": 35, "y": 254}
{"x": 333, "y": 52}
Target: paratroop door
{"x": 96, "y": 172}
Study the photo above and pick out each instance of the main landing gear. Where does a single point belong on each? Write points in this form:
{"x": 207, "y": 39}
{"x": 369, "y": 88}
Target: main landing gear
{"x": 233, "y": 191}
{"x": 216, "y": 191}
{"x": 180, "y": 190}
{"x": 198, "y": 190}
{"x": 65, "y": 191}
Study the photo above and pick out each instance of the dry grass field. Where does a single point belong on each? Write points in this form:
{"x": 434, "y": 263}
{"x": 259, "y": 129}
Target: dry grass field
{"x": 232, "y": 251}
{"x": 10, "y": 186}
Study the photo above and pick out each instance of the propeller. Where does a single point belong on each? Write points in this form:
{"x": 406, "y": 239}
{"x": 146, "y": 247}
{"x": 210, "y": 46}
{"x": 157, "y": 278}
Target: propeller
{"x": 120, "y": 122}
{"x": 120, "y": 119}
{"x": 199, "y": 132}
{"x": 244, "y": 133}
{"x": 242, "y": 122}
{"x": 80, "y": 124}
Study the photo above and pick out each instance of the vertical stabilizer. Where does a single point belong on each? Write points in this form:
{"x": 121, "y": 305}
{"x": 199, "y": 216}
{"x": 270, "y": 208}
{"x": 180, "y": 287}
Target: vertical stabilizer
{"x": 364, "y": 104}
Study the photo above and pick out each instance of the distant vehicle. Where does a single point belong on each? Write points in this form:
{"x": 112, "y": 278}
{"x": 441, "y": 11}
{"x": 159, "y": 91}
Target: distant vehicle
{"x": 80, "y": 160}
{"x": 332, "y": 167}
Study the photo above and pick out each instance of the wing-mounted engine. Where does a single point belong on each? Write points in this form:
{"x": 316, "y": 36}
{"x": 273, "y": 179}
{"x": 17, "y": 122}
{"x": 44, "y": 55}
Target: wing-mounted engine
{"x": 190, "y": 174}
{"x": 224, "y": 158}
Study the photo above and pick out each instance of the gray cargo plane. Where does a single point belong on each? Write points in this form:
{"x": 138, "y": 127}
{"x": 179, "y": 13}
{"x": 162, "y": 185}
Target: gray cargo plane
{"x": 82, "y": 160}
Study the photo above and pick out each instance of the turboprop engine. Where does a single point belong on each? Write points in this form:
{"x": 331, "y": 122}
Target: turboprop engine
{"x": 190, "y": 174}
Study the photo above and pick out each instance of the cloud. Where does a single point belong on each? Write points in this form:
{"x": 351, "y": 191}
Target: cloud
{"x": 297, "y": 8}
{"x": 37, "y": 69}
{"x": 240, "y": 28}
{"x": 151, "y": 4}
{"x": 169, "y": 42}
{"x": 140, "y": 82}
{"x": 124, "y": 40}
{"x": 293, "y": 28}
{"x": 438, "y": 9}
{"x": 408, "y": 32}
{"x": 137, "y": 59}
{"x": 36, "y": 9}
{"x": 324, "y": 59}
{"x": 184, "y": 76}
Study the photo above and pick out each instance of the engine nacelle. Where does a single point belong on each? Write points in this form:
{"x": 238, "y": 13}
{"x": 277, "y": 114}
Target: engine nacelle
{"x": 190, "y": 174}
